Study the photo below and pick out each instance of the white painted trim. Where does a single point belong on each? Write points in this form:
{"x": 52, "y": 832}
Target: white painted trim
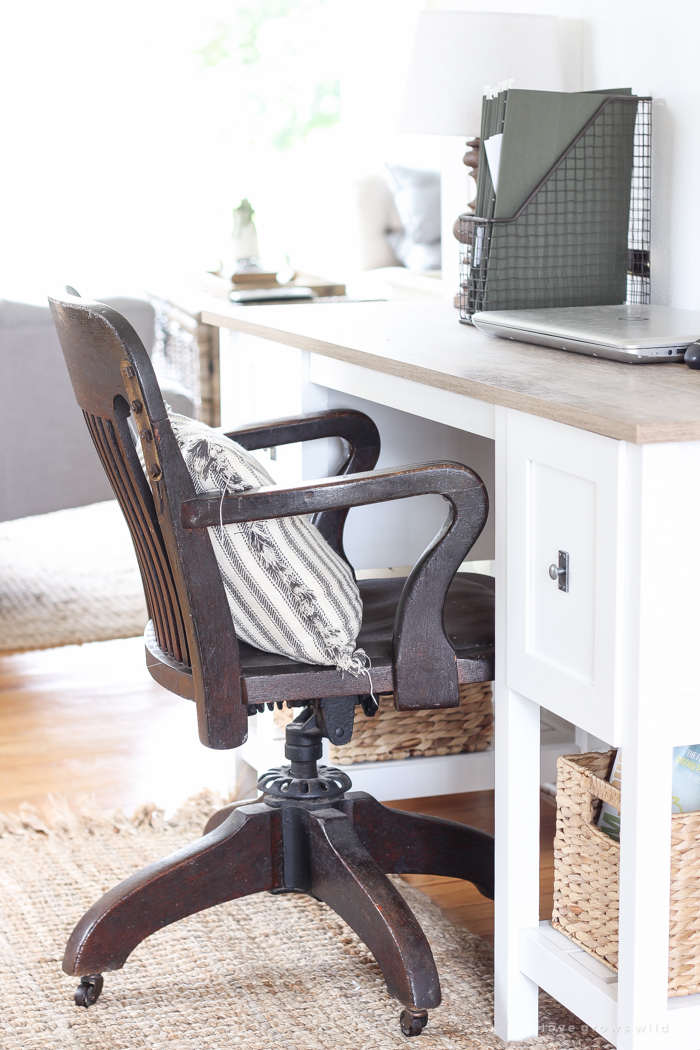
{"x": 591, "y": 991}
{"x": 560, "y": 968}
{"x": 444, "y": 406}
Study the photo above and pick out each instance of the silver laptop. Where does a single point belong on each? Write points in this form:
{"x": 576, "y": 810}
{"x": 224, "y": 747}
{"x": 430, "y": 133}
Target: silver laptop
{"x": 635, "y": 334}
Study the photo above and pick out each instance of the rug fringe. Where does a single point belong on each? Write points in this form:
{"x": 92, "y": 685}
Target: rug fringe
{"x": 68, "y": 818}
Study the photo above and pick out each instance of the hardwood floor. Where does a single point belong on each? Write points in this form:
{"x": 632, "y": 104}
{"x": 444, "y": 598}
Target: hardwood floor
{"x": 88, "y": 722}
{"x": 458, "y": 900}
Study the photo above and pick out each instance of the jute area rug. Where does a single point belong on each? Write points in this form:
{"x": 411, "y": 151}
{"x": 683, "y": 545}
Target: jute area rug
{"x": 280, "y": 973}
{"x": 69, "y": 577}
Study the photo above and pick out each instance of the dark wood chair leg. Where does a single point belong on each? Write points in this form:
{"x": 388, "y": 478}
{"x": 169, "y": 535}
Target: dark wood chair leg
{"x": 344, "y": 875}
{"x": 409, "y": 843}
{"x": 216, "y": 819}
{"x": 242, "y": 856}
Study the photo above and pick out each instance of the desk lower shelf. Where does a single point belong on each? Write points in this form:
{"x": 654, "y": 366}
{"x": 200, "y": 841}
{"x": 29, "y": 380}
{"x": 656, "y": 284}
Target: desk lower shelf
{"x": 589, "y": 989}
{"x": 404, "y": 778}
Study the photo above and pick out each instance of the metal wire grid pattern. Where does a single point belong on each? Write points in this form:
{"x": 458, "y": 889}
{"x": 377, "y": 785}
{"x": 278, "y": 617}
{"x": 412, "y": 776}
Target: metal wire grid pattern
{"x": 639, "y": 233}
{"x": 583, "y": 236}
{"x": 176, "y": 353}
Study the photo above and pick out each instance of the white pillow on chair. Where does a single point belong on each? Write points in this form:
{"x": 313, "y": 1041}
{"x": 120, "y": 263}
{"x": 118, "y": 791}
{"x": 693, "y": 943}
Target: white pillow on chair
{"x": 288, "y": 591}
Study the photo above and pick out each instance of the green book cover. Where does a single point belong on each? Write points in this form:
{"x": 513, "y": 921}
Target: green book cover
{"x": 685, "y": 791}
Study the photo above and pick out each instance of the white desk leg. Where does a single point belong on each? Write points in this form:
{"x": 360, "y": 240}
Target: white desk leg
{"x": 517, "y": 858}
{"x": 654, "y": 604}
{"x": 645, "y": 856}
{"x": 319, "y": 458}
{"x": 517, "y": 781}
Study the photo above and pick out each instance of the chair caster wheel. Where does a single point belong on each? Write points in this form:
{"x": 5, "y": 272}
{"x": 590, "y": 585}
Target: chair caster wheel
{"x": 88, "y": 991}
{"x": 413, "y": 1021}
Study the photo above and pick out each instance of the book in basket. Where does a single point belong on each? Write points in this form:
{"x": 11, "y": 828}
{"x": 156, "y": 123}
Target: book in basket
{"x": 685, "y": 791}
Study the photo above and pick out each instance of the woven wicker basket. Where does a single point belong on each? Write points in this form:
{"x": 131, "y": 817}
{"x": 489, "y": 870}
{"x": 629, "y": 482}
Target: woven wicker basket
{"x": 408, "y": 734}
{"x": 587, "y": 872}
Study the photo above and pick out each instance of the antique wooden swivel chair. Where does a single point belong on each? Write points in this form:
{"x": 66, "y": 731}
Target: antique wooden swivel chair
{"x": 425, "y": 636}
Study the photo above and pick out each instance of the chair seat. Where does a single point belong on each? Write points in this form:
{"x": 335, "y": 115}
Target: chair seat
{"x": 468, "y": 618}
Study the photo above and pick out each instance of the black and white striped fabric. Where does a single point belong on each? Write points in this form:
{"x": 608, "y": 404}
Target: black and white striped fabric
{"x": 288, "y": 591}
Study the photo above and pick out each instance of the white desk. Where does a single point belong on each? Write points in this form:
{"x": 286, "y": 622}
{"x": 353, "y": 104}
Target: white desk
{"x": 601, "y": 460}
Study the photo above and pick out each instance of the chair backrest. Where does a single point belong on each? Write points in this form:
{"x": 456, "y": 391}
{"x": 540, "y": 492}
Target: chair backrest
{"x": 194, "y": 643}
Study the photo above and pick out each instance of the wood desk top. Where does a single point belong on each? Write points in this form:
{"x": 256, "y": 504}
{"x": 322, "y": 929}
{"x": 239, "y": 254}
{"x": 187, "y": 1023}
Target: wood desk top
{"x": 423, "y": 341}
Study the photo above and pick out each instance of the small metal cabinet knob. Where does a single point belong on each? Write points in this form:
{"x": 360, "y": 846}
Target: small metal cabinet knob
{"x": 560, "y": 572}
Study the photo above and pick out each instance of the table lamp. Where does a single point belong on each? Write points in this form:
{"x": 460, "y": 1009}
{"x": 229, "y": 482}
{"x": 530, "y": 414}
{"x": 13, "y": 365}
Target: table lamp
{"x": 455, "y": 55}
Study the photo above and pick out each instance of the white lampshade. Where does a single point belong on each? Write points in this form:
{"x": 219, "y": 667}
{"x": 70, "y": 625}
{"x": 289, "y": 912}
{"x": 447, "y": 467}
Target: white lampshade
{"x": 456, "y": 53}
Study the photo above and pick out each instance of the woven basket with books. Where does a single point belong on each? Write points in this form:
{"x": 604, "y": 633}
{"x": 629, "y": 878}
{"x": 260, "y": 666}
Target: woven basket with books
{"x": 587, "y": 872}
{"x": 409, "y": 734}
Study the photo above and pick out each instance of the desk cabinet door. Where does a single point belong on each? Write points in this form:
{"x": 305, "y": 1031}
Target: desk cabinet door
{"x": 564, "y": 495}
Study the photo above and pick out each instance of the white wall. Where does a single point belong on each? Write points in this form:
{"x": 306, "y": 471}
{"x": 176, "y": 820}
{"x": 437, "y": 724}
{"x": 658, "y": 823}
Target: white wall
{"x": 653, "y": 48}
{"x": 124, "y": 158}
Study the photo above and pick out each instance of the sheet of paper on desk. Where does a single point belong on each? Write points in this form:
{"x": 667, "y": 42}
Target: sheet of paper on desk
{"x": 493, "y": 156}
{"x": 492, "y": 115}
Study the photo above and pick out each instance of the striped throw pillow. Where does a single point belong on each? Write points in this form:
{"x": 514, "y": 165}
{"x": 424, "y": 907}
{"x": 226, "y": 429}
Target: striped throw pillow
{"x": 288, "y": 591}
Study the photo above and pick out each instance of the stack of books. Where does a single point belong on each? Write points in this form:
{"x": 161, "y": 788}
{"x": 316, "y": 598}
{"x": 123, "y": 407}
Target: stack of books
{"x": 255, "y": 277}
{"x": 254, "y": 284}
{"x": 257, "y": 285}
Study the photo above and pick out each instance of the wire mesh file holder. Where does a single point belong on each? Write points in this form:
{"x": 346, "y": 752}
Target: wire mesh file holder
{"x": 569, "y": 244}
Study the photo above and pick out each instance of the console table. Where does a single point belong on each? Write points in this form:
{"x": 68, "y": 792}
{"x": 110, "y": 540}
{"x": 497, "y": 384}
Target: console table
{"x": 601, "y": 461}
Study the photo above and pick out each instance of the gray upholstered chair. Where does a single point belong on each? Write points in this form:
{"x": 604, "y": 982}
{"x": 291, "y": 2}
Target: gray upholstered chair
{"x": 47, "y": 460}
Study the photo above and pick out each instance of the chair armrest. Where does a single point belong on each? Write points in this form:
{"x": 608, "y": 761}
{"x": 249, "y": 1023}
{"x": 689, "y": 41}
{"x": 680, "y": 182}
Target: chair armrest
{"x": 352, "y": 490}
{"x": 424, "y": 663}
{"x": 356, "y": 428}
